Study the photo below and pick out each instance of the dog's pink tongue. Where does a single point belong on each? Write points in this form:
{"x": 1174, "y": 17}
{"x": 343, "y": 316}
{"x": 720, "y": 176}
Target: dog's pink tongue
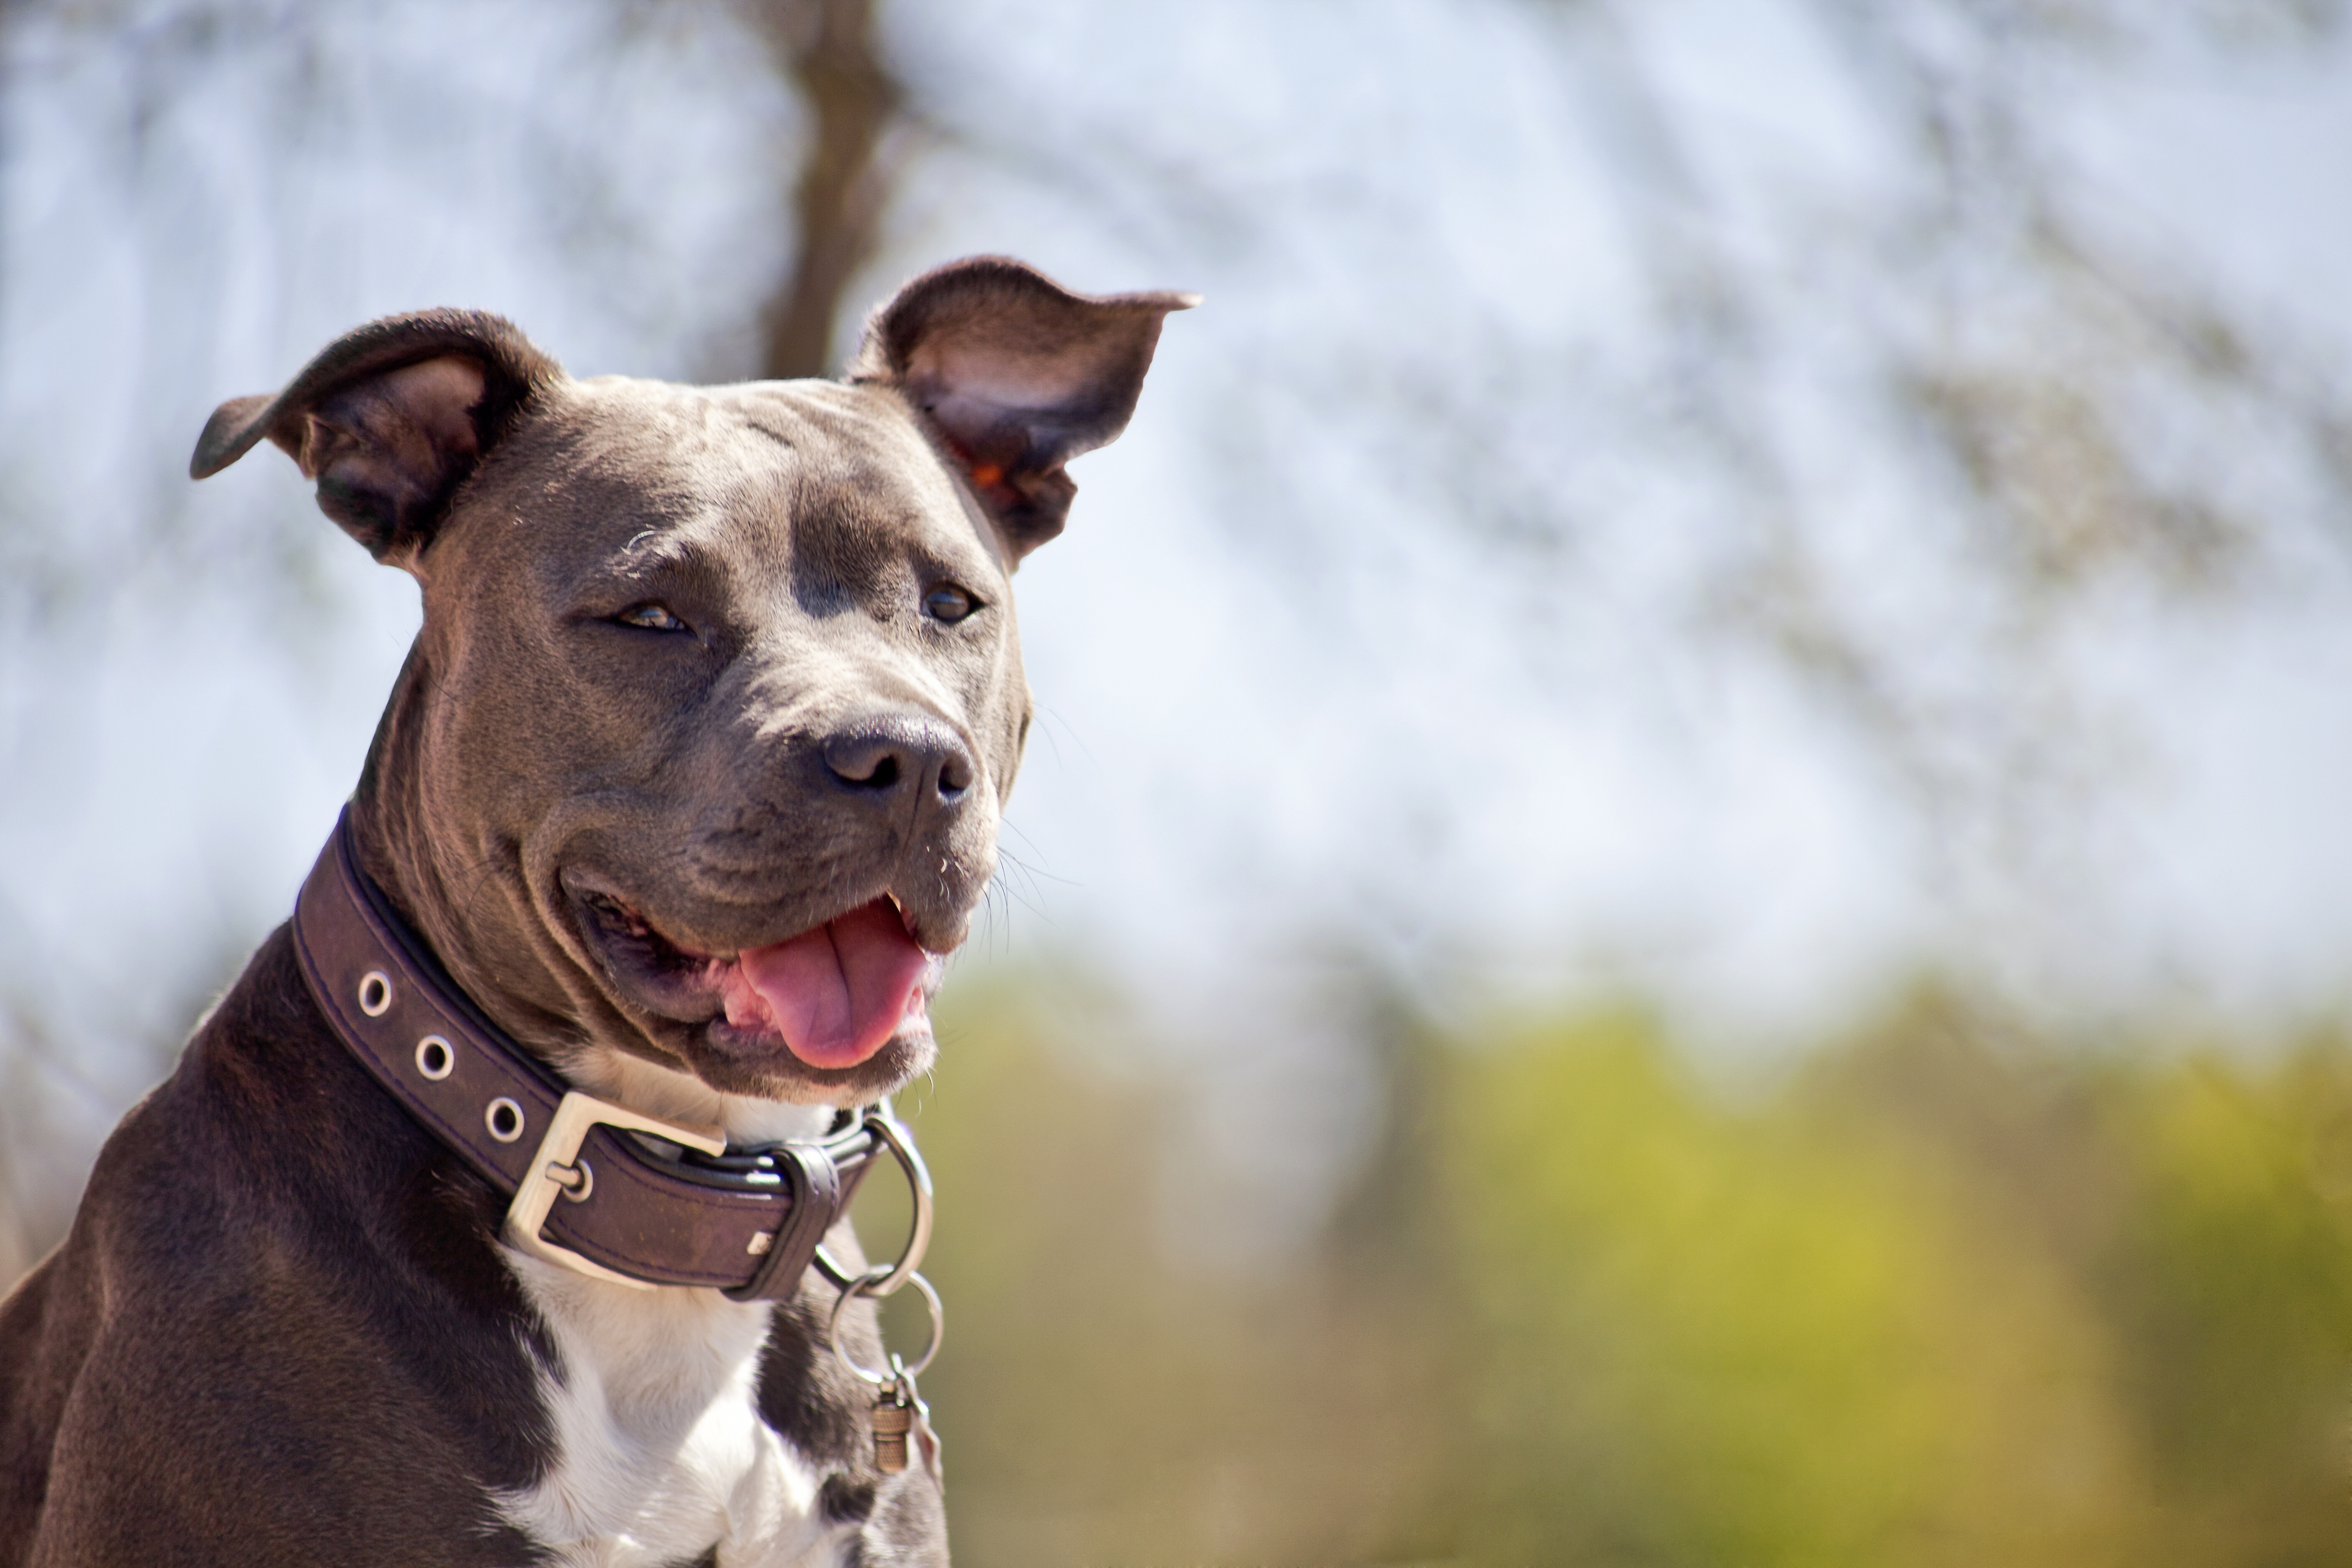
{"x": 837, "y": 993}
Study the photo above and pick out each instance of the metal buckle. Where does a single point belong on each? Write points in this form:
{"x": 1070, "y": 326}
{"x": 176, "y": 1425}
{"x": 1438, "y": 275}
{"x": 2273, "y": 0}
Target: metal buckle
{"x": 574, "y": 1116}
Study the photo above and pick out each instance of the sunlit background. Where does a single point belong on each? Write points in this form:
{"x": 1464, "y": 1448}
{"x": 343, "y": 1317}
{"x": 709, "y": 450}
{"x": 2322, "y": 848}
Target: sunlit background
{"x": 1685, "y": 894}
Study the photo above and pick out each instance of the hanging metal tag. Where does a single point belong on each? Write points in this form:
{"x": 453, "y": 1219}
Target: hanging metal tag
{"x": 894, "y": 1419}
{"x": 899, "y": 1414}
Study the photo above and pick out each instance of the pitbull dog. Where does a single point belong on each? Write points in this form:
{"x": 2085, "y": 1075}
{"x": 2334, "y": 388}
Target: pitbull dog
{"x": 692, "y": 775}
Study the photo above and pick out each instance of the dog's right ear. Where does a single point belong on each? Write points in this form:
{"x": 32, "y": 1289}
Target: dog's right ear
{"x": 389, "y": 419}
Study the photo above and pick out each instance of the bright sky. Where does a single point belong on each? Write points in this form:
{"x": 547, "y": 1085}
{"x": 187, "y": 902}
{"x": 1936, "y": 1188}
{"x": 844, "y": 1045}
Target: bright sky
{"x": 1287, "y": 709}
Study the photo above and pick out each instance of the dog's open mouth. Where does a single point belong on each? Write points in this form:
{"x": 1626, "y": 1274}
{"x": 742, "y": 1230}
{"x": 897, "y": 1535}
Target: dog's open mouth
{"x": 833, "y": 995}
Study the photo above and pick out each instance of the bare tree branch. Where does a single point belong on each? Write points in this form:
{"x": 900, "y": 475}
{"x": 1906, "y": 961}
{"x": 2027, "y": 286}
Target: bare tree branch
{"x": 828, "y": 48}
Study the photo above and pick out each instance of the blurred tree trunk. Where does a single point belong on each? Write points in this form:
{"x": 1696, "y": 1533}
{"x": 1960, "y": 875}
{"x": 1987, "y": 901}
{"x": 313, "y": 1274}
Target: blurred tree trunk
{"x": 828, "y": 48}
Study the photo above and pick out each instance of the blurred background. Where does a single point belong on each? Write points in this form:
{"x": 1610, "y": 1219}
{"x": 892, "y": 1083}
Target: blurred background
{"x": 1683, "y": 894}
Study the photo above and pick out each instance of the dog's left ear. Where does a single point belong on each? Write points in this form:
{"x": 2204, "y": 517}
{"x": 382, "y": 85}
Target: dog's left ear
{"x": 1018, "y": 375}
{"x": 389, "y": 419}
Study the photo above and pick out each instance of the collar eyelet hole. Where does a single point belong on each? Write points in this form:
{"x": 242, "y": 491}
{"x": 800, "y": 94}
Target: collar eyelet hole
{"x": 375, "y": 993}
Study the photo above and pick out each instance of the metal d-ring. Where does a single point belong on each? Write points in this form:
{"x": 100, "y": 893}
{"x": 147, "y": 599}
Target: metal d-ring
{"x": 884, "y": 1279}
{"x": 859, "y": 1287}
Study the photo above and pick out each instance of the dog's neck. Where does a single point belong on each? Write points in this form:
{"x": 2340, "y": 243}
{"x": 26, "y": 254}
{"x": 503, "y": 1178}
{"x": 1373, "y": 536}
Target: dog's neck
{"x": 462, "y": 894}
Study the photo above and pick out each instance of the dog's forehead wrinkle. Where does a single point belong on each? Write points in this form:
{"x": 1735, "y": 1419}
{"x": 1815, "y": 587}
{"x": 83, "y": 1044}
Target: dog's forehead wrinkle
{"x": 652, "y": 556}
{"x": 872, "y": 448}
{"x": 713, "y": 549}
{"x": 650, "y": 437}
{"x": 827, "y": 542}
{"x": 761, "y": 425}
{"x": 835, "y": 491}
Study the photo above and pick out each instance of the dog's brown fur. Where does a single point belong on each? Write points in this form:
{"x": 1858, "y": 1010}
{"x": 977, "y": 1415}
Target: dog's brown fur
{"x": 281, "y": 1330}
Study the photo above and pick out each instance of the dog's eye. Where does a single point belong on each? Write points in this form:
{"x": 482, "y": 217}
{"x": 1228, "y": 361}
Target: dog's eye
{"x": 949, "y": 602}
{"x": 654, "y": 617}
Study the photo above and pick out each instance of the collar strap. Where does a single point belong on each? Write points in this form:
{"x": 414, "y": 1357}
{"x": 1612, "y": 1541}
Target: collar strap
{"x": 672, "y": 1206}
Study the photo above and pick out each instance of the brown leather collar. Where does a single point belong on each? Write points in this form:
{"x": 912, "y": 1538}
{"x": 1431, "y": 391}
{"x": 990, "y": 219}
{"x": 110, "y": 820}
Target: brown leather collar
{"x": 641, "y": 1206}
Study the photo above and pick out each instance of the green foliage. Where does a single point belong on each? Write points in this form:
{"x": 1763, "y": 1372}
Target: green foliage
{"x": 1943, "y": 1295}
{"x": 2228, "y": 1286}
{"x": 1761, "y": 1336}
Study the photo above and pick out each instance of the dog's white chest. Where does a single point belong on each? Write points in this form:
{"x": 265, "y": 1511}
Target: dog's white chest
{"x": 661, "y": 1453}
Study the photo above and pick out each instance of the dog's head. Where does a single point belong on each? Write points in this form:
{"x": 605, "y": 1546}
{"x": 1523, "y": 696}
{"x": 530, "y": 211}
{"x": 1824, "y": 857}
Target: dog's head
{"x": 701, "y": 753}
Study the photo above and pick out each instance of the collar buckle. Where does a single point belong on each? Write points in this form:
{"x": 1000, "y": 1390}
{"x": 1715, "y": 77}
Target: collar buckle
{"x": 557, "y": 1168}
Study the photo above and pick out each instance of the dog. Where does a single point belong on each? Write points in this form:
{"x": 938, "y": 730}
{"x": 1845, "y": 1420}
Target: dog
{"x": 480, "y": 1219}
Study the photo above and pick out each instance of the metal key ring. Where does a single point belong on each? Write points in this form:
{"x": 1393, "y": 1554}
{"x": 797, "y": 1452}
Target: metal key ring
{"x": 884, "y": 1279}
{"x": 858, "y": 1287}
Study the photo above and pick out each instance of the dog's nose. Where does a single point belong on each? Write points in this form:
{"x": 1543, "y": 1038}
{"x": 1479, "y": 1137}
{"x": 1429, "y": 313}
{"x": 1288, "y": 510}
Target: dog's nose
{"x": 889, "y": 754}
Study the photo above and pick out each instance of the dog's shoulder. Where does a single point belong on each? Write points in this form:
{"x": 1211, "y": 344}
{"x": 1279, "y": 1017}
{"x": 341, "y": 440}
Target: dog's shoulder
{"x": 270, "y": 1281}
